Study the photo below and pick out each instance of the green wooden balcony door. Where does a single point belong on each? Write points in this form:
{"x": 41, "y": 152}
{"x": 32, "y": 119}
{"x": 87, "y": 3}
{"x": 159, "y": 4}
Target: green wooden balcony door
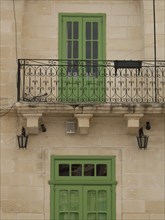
{"x": 81, "y": 47}
{"x": 83, "y": 202}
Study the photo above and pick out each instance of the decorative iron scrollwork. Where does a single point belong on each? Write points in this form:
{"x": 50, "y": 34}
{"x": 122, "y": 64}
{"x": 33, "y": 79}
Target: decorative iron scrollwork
{"x": 81, "y": 81}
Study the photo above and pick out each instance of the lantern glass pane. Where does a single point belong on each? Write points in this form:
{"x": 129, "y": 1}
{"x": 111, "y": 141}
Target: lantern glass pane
{"x": 142, "y": 141}
{"x": 22, "y": 141}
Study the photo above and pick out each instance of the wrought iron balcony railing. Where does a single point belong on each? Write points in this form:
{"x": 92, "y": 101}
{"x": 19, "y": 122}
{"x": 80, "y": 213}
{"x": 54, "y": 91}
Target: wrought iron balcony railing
{"x": 91, "y": 81}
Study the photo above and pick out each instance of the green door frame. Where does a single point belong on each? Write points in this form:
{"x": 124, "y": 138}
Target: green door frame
{"x": 57, "y": 180}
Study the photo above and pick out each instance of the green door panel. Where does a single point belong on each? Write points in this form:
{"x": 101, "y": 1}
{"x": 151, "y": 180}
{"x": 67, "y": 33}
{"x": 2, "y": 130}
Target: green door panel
{"x": 68, "y": 204}
{"x": 81, "y": 47}
{"x": 82, "y": 202}
{"x": 97, "y": 203}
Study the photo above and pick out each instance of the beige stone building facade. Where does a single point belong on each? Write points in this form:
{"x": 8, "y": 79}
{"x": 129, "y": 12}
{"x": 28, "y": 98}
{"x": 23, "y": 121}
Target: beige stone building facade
{"x": 30, "y": 29}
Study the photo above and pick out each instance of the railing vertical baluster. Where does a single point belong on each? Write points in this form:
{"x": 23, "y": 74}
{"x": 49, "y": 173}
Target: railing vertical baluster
{"x": 155, "y": 55}
{"x": 23, "y": 79}
{"x": 18, "y": 81}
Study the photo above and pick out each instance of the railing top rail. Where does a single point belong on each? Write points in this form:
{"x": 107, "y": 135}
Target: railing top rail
{"x": 60, "y": 62}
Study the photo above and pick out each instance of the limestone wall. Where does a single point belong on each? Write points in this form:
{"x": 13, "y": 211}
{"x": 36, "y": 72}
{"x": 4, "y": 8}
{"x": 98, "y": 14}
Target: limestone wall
{"x": 25, "y": 173}
{"x": 149, "y": 29}
{"x": 124, "y": 27}
{"x": 11, "y": 41}
{"x": 129, "y": 27}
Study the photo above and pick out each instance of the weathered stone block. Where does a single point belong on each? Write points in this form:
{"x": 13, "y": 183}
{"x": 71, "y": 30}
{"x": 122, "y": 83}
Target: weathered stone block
{"x": 155, "y": 207}
{"x": 136, "y": 216}
{"x": 22, "y": 206}
{"x": 30, "y": 216}
{"x": 133, "y": 206}
{"x": 157, "y": 216}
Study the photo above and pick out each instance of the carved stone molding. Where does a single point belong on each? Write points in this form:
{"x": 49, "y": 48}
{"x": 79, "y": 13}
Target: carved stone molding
{"x": 83, "y": 122}
{"x": 32, "y": 123}
{"x": 133, "y": 122}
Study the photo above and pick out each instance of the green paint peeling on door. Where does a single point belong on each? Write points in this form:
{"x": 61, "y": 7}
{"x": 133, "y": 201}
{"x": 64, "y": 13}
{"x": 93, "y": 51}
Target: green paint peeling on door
{"x": 82, "y": 188}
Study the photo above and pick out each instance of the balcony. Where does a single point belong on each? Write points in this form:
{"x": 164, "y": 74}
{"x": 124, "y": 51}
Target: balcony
{"x": 76, "y": 82}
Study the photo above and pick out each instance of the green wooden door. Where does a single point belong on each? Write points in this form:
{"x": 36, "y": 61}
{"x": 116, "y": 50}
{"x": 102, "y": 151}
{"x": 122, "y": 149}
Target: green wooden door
{"x": 82, "y": 188}
{"x": 81, "y": 48}
{"x": 82, "y": 202}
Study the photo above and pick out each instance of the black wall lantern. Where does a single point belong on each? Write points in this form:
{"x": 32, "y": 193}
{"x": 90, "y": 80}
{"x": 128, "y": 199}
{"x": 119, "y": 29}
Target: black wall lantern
{"x": 142, "y": 139}
{"x": 22, "y": 139}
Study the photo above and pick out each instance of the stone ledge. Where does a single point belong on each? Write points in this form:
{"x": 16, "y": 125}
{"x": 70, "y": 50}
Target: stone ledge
{"x": 102, "y": 109}
{"x": 133, "y": 113}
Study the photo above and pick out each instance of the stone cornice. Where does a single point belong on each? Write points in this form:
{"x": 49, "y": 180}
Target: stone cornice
{"x": 100, "y": 109}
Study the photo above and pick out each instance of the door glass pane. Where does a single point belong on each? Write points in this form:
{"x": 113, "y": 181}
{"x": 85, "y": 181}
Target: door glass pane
{"x": 69, "y": 30}
{"x": 95, "y": 68}
{"x": 76, "y": 170}
{"x": 69, "y": 67}
{"x": 74, "y": 200}
{"x": 102, "y": 200}
{"x": 88, "y": 31}
{"x": 75, "y": 30}
{"x": 75, "y": 68}
{"x": 88, "y": 50}
{"x": 95, "y": 30}
{"x": 95, "y": 50}
{"x": 89, "y": 170}
{"x": 63, "y": 169}
{"x": 69, "y": 49}
{"x": 88, "y": 68}
{"x": 101, "y": 170}
{"x": 75, "y": 49}
{"x": 72, "y": 46}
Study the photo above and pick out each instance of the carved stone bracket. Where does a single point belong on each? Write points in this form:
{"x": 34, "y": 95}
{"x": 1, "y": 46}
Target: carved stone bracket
{"x": 83, "y": 122}
{"x": 133, "y": 122}
{"x": 32, "y": 123}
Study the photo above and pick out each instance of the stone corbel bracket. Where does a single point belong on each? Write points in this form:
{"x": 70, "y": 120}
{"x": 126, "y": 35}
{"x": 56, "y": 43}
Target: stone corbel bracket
{"x": 133, "y": 122}
{"x": 83, "y": 122}
{"x": 32, "y": 123}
